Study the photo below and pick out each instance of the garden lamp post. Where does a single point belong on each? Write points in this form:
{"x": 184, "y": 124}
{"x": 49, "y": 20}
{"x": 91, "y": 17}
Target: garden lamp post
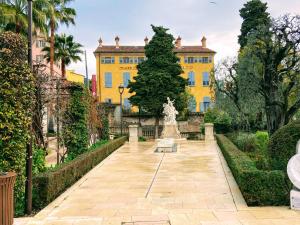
{"x": 28, "y": 187}
{"x": 121, "y": 90}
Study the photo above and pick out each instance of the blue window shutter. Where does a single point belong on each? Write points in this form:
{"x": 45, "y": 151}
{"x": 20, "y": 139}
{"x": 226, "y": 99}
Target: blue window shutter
{"x": 126, "y": 79}
{"x": 191, "y": 77}
{"x": 205, "y": 78}
{"x": 201, "y": 107}
{"x": 192, "y": 104}
{"x": 108, "y": 79}
{"x": 206, "y": 99}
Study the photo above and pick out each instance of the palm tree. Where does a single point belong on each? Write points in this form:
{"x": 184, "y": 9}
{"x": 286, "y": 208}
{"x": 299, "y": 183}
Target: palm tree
{"x": 66, "y": 51}
{"x": 58, "y": 12}
{"x": 13, "y": 15}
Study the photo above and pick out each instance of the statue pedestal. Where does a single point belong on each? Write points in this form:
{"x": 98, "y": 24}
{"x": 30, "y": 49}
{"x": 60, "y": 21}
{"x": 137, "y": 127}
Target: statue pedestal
{"x": 170, "y": 131}
{"x": 166, "y": 145}
{"x": 295, "y": 199}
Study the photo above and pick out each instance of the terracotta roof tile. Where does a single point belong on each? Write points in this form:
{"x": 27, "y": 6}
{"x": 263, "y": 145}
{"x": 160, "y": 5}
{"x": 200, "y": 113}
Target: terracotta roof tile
{"x": 140, "y": 49}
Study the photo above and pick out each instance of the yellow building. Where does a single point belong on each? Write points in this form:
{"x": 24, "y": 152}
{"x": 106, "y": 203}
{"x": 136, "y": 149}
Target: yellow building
{"x": 74, "y": 77}
{"x": 116, "y": 65}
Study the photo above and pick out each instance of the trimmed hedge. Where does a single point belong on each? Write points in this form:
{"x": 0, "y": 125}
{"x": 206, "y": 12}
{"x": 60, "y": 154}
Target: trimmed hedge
{"x": 282, "y": 145}
{"x": 49, "y": 185}
{"x": 259, "y": 187}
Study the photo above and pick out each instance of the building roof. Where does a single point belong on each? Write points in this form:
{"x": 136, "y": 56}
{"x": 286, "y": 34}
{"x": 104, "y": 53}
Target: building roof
{"x": 140, "y": 49}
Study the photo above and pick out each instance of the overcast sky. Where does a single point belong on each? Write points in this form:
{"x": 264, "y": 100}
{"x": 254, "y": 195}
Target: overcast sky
{"x": 191, "y": 19}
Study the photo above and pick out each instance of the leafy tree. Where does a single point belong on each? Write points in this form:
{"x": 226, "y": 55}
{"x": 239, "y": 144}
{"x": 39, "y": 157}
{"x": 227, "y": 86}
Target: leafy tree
{"x": 16, "y": 100}
{"x": 58, "y": 12}
{"x": 65, "y": 51}
{"x": 13, "y": 15}
{"x": 236, "y": 93}
{"x": 254, "y": 14}
{"x": 158, "y": 76}
{"x": 272, "y": 58}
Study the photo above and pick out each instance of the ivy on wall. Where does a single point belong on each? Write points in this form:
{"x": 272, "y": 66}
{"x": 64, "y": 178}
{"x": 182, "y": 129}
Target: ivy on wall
{"x": 75, "y": 121}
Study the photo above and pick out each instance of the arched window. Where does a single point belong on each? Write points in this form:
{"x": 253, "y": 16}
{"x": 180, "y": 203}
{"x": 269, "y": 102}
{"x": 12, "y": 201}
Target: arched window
{"x": 191, "y": 78}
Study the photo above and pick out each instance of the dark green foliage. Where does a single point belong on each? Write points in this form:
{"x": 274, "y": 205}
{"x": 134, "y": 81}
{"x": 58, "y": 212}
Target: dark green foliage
{"x": 220, "y": 119}
{"x": 75, "y": 124}
{"x": 282, "y": 145}
{"x": 254, "y": 14}
{"x": 142, "y": 139}
{"x": 97, "y": 144}
{"x": 16, "y": 98}
{"x": 38, "y": 160}
{"x": 158, "y": 76}
{"x": 259, "y": 187}
{"x": 47, "y": 186}
{"x": 105, "y": 127}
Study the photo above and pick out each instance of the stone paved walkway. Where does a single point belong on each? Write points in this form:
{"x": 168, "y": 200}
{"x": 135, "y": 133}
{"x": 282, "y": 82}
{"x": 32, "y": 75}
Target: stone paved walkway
{"x": 135, "y": 186}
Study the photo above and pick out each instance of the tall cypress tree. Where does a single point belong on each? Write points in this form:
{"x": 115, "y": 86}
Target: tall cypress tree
{"x": 254, "y": 14}
{"x": 158, "y": 76}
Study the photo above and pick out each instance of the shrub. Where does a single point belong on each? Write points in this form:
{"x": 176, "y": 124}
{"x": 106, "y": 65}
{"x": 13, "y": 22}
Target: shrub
{"x": 282, "y": 145}
{"x": 221, "y": 120}
{"x": 16, "y": 100}
{"x": 142, "y": 139}
{"x": 47, "y": 186}
{"x": 258, "y": 187}
{"x": 38, "y": 160}
{"x": 244, "y": 141}
{"x": 262, "y": 140}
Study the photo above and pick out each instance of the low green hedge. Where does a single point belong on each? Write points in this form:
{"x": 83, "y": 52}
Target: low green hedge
{"x": 49, "y": 185}
{"x": 259, "y": 187}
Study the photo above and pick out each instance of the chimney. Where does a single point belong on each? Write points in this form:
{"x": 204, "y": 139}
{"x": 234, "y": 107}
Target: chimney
{"x": 178, "y": 42}
{"x": 203, "y": 42}
{"x": 146, "y": 40}
{"x": 100, "y": 42}
{"x": 117, "y": 39}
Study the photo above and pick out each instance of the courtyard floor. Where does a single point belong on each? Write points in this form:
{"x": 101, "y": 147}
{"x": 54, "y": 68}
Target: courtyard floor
{"x": 135, "y": 186}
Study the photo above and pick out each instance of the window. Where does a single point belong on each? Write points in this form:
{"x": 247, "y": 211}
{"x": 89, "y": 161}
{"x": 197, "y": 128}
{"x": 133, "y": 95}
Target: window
{"x": 205, "y": 79}
{"x": 189, "y": 60}
{"x": 141, "y": 59}
{"x": 126, "y": 79}
{"x": 200, "y": 59}
{"x": 107, "y": 60}
{"x": 39, "y": 58}
{"x": 205, "y": 59}
{"x": 206, "y": 103}
{"x": 40, "y": 43}
{"x": 191, "y": 78}
{"x": 192, "y": 104}
{"x": 127, "y": 105}
{"x": 108, "y": 100}
{"x": 135, "y": 60}
{"x": 108, "y": 79}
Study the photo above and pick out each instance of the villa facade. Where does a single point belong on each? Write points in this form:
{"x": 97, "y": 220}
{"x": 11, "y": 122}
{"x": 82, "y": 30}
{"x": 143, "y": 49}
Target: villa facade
{"x": 117, "y": 64}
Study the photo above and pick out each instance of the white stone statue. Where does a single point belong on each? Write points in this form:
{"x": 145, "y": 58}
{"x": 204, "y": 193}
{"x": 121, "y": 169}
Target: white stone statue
{"x": 293, "y": 171}
{"x": 170, "y": 113}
